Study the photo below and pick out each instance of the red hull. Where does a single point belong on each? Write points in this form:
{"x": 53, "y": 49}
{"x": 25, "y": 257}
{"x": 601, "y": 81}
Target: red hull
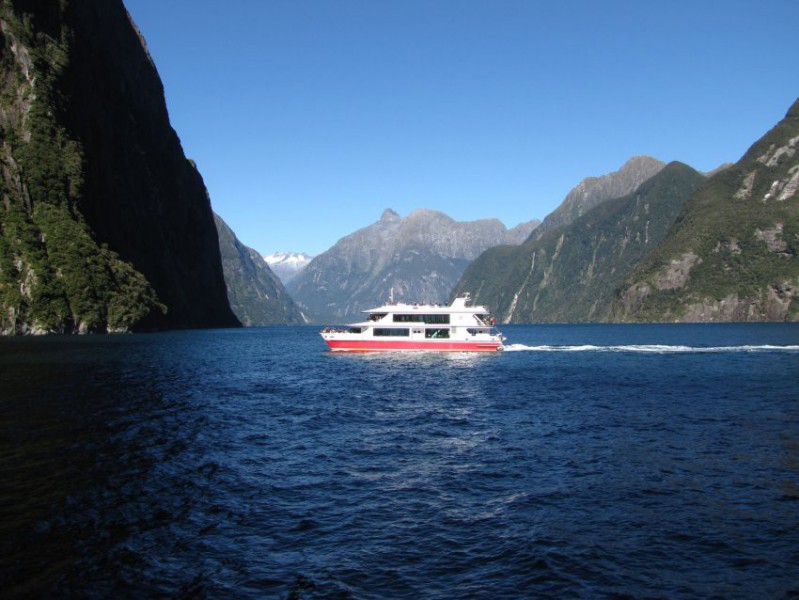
{"x": 392, "y": 345}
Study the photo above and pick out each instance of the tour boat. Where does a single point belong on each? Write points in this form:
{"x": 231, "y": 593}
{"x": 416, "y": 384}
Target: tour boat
{"x": 426, "y": 327}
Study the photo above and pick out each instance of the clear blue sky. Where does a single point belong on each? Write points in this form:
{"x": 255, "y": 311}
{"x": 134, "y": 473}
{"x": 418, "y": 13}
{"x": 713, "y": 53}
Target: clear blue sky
{"x": 307, "y": 118}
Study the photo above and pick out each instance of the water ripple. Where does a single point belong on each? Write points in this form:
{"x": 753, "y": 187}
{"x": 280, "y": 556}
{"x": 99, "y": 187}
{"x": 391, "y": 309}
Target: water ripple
{"x": 648, "y": 462}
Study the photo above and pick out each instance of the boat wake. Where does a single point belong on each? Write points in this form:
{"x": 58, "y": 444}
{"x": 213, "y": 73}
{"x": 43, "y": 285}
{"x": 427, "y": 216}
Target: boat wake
{"x": 651, "y": 349}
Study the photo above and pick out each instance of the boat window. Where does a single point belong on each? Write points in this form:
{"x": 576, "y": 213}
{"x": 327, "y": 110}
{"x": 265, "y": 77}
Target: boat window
{"x": 436, "y": 333}
{"x": 377, "y": 316}
{"x": 391, "y": 332}
{"x": 485, "y": 319}
{"x": 442, "y": 319}
{"x": 438, "y": 319}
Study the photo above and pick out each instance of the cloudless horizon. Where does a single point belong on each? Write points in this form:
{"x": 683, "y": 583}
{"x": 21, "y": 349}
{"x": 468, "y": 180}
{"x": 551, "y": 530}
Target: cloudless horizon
{"x": 308, "y": 118}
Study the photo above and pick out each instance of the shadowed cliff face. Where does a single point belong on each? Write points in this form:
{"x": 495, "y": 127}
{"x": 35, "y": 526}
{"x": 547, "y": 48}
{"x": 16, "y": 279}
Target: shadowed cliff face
{"x": 142, "y": 196}
{"x": 139, "y": 196}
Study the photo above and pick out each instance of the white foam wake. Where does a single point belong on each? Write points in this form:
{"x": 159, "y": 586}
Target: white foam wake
{"x": 651, "y": 348}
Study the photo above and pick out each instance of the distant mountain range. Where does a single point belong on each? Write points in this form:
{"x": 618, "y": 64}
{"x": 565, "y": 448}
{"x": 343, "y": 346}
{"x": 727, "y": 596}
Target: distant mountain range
{"x": 418, "y": 258}
{"x": 648, "y": 242}
{"x": 287, "y": 265}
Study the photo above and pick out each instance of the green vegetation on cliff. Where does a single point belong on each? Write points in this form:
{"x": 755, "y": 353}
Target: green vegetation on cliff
{"x": 570, "y": 273}
{"x": 733, "y": 252}
{"x": 104, "y": 223}
{"x": 54, "y": 276}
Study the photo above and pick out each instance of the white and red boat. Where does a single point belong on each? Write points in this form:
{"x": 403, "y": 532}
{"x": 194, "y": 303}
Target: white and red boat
{"x": 426, "y": 327}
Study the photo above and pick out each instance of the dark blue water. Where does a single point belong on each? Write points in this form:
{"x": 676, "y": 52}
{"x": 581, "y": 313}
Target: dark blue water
{"x": 587, "y": 462}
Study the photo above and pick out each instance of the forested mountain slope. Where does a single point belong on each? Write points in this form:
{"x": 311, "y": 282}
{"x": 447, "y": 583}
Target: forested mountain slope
{"x": 571, "y": 272}
{"x": 732, "y": 253}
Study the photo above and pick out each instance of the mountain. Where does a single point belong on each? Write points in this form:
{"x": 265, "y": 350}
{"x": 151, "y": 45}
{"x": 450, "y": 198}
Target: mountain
{"x": 732, "y": 252}
{"x": 570, "y": 273}
{"x": 256, "y": 294}
{"x": 105, "y": 225}
{"x": 416, "y": 259}
{"x": 592, "y": 191}
{"x": 287, "y": 265}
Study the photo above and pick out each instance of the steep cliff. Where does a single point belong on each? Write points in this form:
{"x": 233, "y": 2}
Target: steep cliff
{"x": 732, "y": 252}
{"x": 417, "y": 259}
{"x": 571, "y": 272}
{"x": 256, "y": 294}
{"x": 106, "y": 226}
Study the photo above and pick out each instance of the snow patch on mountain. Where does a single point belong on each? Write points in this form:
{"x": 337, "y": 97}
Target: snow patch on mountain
{"x": 287, "y": 265}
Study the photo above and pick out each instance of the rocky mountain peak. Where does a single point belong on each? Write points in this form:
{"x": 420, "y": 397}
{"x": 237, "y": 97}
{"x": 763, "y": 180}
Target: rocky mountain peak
{"x": 793, "y": 111}
{"x": 420, "y": 256}
{"x": 389, "y": 215}
{"x": 592, "y": 191}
